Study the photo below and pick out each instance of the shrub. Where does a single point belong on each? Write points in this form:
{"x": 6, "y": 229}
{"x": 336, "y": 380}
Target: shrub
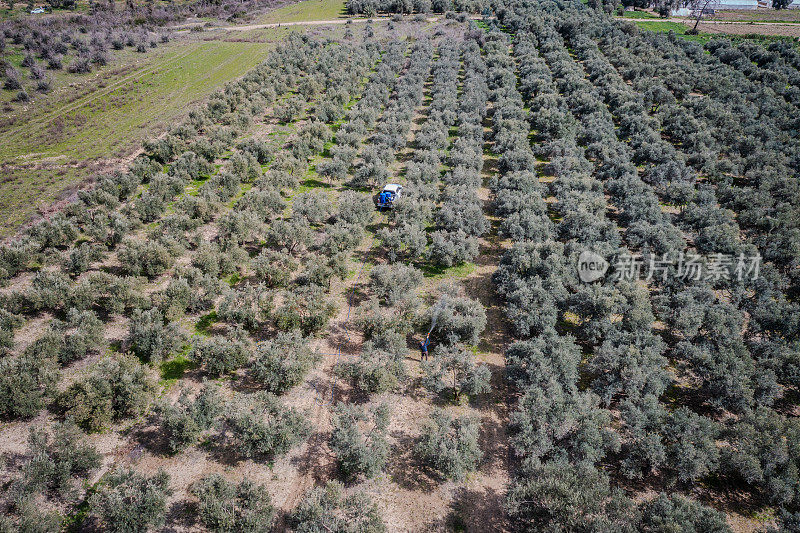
{"x": 391, "y": 283}
{"x": 263, "y": 427}
{"x": 184, "y": 421}
{"x": 358, "y": 439}
{"x": 676, "y": 513}
{"x": 450, "y": 445}
{"x": 274, "y": 268}
{"x": 80, "y": 334}
{"x": 306, "y": 309}
{"x": 219, "y": 355}
{"x": 452, "y": 248}
{"x": 149, "y": 258}
{"x": 328, "y": 509}
{"x": 458, "y": 319}
{"x": 225, "y": 507}
{"x": 127, "y": 501}
{"x": 282, "y": 362}
{"x": 115, "y": 388}
{"x": 315, "y": 207}
{"x": 57, "y": 461}
{"x": 212, "y": 260}
{"x": 454, "y": 368}
{"x": 8, "y": 322}
{"x": 375, "y": 370}
{"x": 558, "y": 496}
{"x": 26, "y": 384}
{"x": 247, "y": 306}
{"x": 151, "y": 337}
{"x": 355, "y": 208}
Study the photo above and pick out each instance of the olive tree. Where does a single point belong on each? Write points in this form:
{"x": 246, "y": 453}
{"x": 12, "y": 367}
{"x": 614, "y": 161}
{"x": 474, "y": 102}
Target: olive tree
{"x": 274, "y": 268}
{"x": 328, "y": 509}
{"x": 282, "y": 362}
{"x": 127, "y": 501}
{"x": 454, "y": 368}
{"x": 151, "y": 337}
{"x": 115, "y": 388}
{"x": 226, "y": 507}
{"x": 184, "y": 421}
{"x": 26, "y": 384}
{"x": 305, "y": 308}
{"x": 359, "y": 440}
{"x": 220, "y": 355}
{"x": 8, "y": 323}
{"x": 450, "y": 445}
{"x": 458, "y": 319}
{"x": 149, "y": 258}
{"x": 674, "y": 512}
{"x": 391, "y": 283}
{"x": 58, "y": 460}
{"x": 247, "y": 306}
{"x": 374, "y": 371}
{"x": 263, "y": 427}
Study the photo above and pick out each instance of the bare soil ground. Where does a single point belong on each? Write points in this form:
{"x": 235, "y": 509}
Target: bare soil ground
{"x": 785, "y": 29}
{"x": 758, "y": 15}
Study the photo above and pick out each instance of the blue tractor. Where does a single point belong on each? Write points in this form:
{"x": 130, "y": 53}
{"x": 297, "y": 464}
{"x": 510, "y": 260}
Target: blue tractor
{"x": 389, "y": 195}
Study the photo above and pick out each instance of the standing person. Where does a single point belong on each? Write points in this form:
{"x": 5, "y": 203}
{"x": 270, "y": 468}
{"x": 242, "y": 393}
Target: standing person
{"x": 423, "y": 350}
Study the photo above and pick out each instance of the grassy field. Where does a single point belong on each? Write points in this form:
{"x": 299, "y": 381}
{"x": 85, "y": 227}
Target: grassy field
{"x": 308, "y": 10}
{"x": 662, "y": 25}
{"x": 58, "y": 146}
{"x": 677, "y": 27}
{"x": 639, "y": 15}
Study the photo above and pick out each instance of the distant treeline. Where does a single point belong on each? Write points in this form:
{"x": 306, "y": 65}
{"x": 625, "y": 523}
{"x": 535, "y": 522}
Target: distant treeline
{"x": 371, "y": 7}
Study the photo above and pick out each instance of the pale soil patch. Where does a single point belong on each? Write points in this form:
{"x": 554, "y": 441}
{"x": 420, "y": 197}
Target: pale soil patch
{"x": 746, "y": 28}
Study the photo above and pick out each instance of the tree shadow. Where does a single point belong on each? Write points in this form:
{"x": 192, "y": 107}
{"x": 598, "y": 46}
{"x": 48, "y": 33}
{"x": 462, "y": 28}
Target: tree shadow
{"x": 317, "y": 460}
{"x": 479, "y": 511}
{"x": 222, "y": 449}
{"x": 406, "y": 469}
{"x": 152, "y": 438}
{"x": 493, "y": 440}
{"x": 181, "y": 516}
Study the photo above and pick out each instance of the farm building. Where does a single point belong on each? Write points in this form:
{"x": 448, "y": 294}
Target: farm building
{"x": 733, "y": 4}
